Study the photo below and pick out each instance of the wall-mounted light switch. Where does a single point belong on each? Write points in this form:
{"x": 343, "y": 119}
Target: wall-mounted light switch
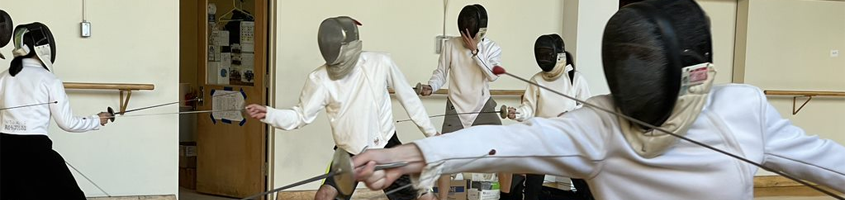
{"x": 85, "y": 28}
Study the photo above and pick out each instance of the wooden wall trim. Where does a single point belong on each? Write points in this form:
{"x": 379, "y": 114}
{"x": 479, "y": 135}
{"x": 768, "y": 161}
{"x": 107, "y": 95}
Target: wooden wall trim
{"x": 766, "y": 186}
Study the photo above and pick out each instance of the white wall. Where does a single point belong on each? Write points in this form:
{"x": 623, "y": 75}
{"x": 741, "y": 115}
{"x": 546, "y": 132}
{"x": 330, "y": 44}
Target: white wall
{"x": 722, "y": 15}
{"x": 407, "y": 30}
{"x": 131, "y": 44}
{"x": 592, "y": 18}
{"x": 789, "y": 43}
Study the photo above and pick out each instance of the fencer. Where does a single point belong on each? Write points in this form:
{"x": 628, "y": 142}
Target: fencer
{"x": 27, "y": 159}
{"x": 353, "y": 89}
{"x": 466, "y": 64}
{"x": 557, "y": 71}
{"x": 657, "y": 59}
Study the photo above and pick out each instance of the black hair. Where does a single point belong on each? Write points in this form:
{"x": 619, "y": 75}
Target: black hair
{"x": 642, "y": 56}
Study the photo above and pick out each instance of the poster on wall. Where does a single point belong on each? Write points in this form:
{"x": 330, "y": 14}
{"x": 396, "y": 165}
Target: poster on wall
{"x": 248, "y": 36}
{"x": 228, "y": 106}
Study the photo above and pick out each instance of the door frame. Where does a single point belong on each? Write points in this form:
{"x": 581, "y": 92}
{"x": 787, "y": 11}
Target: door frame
{"x": 270, "y": 86}
{"x": 269, "y": 79}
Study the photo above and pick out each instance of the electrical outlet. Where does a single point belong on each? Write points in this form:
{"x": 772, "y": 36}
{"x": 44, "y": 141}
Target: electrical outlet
{"x": 438, "y": 43}
{"x": 834, "y": 53}
{"x": 85, "y": 28}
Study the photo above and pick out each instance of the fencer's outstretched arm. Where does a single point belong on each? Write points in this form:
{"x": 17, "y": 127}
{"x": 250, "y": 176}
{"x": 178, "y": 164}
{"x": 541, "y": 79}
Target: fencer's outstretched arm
{"x": 409, "y": 99}
{"x": 570, "y": 146}
{"x": 789, "y": 149}
{"x": 529, "y": 102}
{"x": 489, "y": 55}
{"x": 440, "y": 75}
{"x": 63, "y": 114}
{"x": 312, "y": 100}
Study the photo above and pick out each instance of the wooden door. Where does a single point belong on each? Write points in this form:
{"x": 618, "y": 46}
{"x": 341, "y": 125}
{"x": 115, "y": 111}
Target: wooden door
{"x": 231, "y": 155}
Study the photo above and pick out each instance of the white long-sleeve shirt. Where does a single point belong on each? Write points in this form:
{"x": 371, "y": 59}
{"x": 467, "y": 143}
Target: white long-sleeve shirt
{"x": 469, "y": 81}
{"x": 35, "y": 85}
{"x": 358, "y": 106}
{"x": 587, "y": 143}
{"x": 538, "y": 102}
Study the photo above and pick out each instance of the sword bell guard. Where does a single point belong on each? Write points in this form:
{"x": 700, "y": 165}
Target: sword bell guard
{"x": 111, "y": 112}
{"x": 503, "y": 111}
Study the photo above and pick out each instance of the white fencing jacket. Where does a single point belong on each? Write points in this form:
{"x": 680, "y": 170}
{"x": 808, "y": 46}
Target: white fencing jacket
{"x": 34, "y": 85}
{"x": 469, "y": 81}
{"x": 358, "y": 106}
{"x": 587, "y": 143}
{"x": 538, "y": 102}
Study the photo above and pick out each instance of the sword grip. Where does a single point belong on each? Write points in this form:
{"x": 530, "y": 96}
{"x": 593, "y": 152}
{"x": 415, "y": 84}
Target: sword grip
{"x": 418, "y": 89}
{"x": 390, "y": 165}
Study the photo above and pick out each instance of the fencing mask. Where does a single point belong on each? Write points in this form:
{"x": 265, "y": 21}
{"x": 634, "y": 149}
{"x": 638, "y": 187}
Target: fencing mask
{"x": 657, "y": 57}
{"x": 340, "y": 45}
{"x": 6, "y": 26}
{"x": 33, "y": 39}
{"x": 550, "y": 53}
{"x": 473, "y": 18}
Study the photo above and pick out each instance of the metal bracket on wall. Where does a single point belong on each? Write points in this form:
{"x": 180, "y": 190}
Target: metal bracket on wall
{"x": 795, "y": 98}
{"x": 808, "y": 94}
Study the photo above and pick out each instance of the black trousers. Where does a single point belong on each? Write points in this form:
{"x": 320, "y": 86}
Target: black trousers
{"x": 408, "y": 193}
{"x": 31, "y": 169}
{"x": 534, "y": 188}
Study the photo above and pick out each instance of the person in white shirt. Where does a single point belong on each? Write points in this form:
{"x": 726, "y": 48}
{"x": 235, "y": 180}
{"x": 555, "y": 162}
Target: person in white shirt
{"x": 30, "y": 95}
{"x": 657, "y": 58}
{"x": 466, "y": 64}
{"x": 558, "y": 72}
{"x": 353, "y": 89}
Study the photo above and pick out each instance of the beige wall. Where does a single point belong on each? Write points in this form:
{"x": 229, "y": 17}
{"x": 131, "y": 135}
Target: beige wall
{"x": 788, "y": 47}
{"x": 407, "y": 30}
{"x": 133, "y": 156}
{"x": 722, "y": 15}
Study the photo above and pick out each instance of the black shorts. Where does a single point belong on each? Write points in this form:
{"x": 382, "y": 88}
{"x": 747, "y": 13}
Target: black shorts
{"x": 452, "y": 122}
{"x": 407, "y": 193}
{"x": 31, "y": 169}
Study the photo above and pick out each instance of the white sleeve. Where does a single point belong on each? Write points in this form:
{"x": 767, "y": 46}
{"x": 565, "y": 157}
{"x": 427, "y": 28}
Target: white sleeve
{"x": 569, "y": 146}
{"x": 488, "y": 56}
{"x": 409, "y": 100}
{"x": 789, "y": 149}
{"x": 63, "y": 115}
{"x": 438, "y": 77}
{"x": 312, "y": 99}
{"x": 583, "y": 92}
{"x": 529, "y": 102}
